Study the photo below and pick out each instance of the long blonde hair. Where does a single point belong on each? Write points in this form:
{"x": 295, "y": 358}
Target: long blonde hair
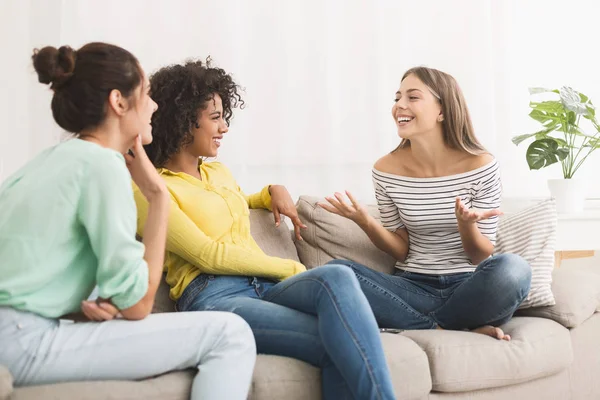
{"x": 456, "y": 127}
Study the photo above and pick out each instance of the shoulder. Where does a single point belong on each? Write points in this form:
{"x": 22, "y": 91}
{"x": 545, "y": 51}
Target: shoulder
{"x": 481, "y": 160}
{"x": 102, "y": 163}
{"x": 393, "y": 163}
{"x": 480, "y": 164}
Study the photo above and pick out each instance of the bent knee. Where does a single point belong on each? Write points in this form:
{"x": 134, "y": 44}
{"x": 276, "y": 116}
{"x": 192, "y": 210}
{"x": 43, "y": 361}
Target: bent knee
{"x": 336, "y": 273}
{"x": 339, "y": 261}
{"x": 236, "y": 330}
{"x": 515, "y": 268}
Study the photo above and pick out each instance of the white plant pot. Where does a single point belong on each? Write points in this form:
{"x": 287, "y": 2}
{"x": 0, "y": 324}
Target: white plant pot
{"x": 569, "y": 194}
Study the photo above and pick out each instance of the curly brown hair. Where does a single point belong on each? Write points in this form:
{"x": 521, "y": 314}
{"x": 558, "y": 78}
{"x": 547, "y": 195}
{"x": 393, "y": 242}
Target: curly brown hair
{"x": 181, "y": 90}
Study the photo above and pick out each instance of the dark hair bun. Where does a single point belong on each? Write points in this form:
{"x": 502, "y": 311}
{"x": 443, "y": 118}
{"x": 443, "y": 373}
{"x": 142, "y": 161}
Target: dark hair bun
{"x": 54, "y": 66}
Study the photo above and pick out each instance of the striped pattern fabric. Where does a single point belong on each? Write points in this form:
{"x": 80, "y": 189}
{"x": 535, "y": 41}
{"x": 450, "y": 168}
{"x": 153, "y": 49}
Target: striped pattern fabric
{"x": 531, "y": 233}
{"x": 425, "y": 207}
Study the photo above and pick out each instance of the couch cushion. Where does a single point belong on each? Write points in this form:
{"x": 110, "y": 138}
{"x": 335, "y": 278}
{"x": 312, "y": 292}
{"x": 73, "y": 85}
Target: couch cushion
{"x": 278, "y": 377}
{"x": 465, "y": 361}
{"x": 285, "y": 378}
{"x": 531, "y": 233}
{"x": 172, "y": 386}
{"x": 6, "y": 383}
{"x": 409, "y": 366}
{"x": 577, "y": 294}
{"x": 330, "y": 236}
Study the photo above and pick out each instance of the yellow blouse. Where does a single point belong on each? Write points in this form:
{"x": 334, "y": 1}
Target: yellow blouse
{"x": 209, "y": 229}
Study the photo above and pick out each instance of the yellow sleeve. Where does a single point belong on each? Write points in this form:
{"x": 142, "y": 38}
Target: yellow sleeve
{"x": 185, "y": 239}
{"x": 261, "y": 199}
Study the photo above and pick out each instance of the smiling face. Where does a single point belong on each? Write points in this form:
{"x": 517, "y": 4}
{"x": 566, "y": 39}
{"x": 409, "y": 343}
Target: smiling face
{"x": 209, "y": 129}
{"x": 416, "y": 109}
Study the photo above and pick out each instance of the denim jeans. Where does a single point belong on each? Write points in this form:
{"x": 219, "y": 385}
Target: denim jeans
{"x": 406, "y": 300}
{"x": 319, "y": 316}
{"x": 220, "y": 346}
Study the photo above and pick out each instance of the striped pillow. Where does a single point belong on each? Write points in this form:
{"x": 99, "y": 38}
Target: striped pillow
{"x": 531, "y": 233}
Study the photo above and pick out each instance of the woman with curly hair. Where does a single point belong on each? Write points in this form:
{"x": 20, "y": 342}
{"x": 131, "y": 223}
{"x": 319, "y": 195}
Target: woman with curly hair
{"x": 319, "y": 316}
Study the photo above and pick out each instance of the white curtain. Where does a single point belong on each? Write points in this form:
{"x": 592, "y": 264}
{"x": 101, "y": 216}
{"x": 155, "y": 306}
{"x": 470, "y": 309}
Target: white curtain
{"x": 320, "y": 76}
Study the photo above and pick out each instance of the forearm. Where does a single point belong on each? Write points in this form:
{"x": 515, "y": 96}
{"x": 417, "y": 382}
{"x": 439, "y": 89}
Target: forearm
{"x": 230, "y": 259}
{"x": 387, "y": 241}
{"x": 475, "y": 244}
{"x": 154, "y": 238}
{"x": 260, "y": 200}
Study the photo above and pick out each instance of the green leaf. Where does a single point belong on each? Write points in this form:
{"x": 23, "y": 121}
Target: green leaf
{"x": 517, "y": 140}
{"x": 538, "y": 116}
{"x": 591, "y": 112}
{"x": 538, "y": 135}
{"x": 543, "y": 117}
{"x": 594, "y": 143}
{"x": 545, "y": 152}
{"x": 553, "y": 125}
{"x": 551, "y": 106}
{"x": 584, "y": 98}
{"x": 562, "y": 143}
{"x": 572, "y": 117}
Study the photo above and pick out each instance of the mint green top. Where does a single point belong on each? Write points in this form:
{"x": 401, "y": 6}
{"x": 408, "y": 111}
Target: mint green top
{"x": 68, "y": 223}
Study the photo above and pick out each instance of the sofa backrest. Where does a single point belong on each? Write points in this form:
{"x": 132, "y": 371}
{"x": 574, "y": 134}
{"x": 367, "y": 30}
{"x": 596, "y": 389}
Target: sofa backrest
{"x": 330, "y": 236}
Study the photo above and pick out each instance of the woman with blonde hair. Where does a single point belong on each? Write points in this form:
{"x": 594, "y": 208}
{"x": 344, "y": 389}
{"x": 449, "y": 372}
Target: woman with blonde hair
{"x": 439, "y": 196}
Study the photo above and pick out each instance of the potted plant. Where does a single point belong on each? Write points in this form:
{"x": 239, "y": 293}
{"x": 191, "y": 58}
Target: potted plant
{"x": 562, "y": 140}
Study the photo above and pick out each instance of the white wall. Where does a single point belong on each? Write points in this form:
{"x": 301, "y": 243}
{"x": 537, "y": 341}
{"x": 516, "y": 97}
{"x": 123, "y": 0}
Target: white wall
{"x": 320, "y": 76}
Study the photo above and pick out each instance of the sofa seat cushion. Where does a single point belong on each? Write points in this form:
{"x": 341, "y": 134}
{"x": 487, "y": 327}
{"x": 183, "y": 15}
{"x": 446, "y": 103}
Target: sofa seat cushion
{"x": 464, "y": 361}
{"x": 330, "y": 236}
{"x": 6, "y": 383}
{"x": 172, "y": 386}
{"x": 576, "y": 293}
{"x": 285, "y": 378}
{"x": 409, "y": 366}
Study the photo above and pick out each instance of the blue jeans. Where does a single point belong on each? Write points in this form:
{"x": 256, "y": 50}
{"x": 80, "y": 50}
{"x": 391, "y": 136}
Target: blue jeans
{"x": 406, "y": 300}
{"x": 319, "y": 316}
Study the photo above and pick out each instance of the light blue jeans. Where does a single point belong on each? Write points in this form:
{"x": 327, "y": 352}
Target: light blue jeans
{"x": 488, "y": 296}
{"x": 319, "y": 316}
{"x": 39, "y": 350}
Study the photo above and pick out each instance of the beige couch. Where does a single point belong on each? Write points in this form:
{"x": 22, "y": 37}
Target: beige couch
{"x": 554, "y": 352}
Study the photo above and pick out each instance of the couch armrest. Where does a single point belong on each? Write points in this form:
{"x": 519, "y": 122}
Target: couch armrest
{"x": 6, "y": 383}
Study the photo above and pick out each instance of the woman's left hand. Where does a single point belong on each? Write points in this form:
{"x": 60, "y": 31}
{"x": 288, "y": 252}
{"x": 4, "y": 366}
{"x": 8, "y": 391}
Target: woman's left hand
{"x": 100, "y": 310}
{"x": 470, "y": 216}
{"x": 282, "y": 204}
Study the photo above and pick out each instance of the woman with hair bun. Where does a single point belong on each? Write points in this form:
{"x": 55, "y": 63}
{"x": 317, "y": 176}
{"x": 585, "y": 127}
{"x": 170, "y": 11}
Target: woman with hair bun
{"x": 68, "y": 223}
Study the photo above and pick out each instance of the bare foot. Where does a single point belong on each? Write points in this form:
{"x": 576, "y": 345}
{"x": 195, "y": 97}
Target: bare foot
{"x": 492, "y": 331}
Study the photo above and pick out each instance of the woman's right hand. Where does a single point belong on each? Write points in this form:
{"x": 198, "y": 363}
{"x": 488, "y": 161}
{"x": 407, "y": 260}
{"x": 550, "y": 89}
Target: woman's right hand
{"x": 143, "y": 172}
{"x": 353, "y": 211}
